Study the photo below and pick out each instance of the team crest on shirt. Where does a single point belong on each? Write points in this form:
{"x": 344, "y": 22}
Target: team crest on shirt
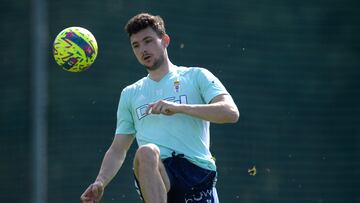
{"x": 177, "y": 86}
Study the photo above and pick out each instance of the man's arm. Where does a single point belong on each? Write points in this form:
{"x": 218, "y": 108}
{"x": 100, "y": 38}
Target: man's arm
{"x": 112, "y": 162}
{"x": 221, "y": 109}
{"x": 114, "y": 158}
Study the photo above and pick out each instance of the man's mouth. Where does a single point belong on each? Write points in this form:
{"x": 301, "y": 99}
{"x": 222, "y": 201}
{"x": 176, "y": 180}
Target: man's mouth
{"x": 146, "y": 57}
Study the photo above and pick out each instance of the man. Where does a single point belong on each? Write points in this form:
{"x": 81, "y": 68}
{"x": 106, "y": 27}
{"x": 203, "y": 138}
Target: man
{"x": 168, "y": 112}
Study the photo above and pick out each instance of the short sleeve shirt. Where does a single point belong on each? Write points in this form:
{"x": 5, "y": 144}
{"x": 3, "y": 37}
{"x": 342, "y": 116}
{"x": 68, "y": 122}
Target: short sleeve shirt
{"x": 179, "y": 133}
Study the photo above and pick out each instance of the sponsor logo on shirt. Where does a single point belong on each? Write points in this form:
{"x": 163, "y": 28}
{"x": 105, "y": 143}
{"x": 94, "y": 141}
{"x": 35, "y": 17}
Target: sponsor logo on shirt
{"x": 141, "y": 111}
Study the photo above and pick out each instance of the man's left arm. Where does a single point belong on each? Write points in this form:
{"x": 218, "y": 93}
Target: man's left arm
{"x": 221, "y": 109}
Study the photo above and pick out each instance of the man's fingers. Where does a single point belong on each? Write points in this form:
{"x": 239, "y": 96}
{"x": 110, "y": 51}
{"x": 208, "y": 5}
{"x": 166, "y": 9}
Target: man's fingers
{"x": 160, "y": 107}
{"x": 86, "y": 199}
{"x": 154, "y": 108}
{"x": 86, "y": 196}
{"x": 96, "y": 190}
{"x": 149, "y": 111}
{"x": 150, "y": 108}
{"x": 93, "y": 193}
{"x": 86, "y": 193}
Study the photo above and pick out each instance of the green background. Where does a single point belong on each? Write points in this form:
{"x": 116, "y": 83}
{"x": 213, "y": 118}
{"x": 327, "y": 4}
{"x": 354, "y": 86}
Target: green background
{"x": 292, "y": 67}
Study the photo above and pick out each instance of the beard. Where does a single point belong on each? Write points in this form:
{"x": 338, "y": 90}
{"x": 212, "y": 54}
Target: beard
{"x": 157, "y": 63}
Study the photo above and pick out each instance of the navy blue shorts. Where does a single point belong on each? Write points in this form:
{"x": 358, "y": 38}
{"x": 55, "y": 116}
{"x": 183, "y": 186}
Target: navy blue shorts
{"x": 189, "y": 183}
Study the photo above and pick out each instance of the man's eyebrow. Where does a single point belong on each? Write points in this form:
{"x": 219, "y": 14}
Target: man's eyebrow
{"x": 134, "y": 43}
{"x": 145, "y": 38}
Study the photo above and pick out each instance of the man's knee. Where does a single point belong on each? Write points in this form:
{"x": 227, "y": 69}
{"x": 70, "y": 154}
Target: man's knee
{"x": 147, "y": 154}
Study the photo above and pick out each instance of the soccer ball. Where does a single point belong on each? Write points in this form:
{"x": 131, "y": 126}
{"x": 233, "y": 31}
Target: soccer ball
{"x": 75, "y": 49}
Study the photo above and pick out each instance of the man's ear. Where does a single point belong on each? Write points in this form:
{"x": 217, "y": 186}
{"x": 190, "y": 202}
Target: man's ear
{"x": 166, "y": 40}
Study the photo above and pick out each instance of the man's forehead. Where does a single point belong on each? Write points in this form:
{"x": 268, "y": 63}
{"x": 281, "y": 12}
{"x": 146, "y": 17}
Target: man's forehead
{"x": 142, "y": 34}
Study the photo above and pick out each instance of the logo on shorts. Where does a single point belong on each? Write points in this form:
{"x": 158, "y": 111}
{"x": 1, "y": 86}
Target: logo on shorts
{"x": 200, "y": 196}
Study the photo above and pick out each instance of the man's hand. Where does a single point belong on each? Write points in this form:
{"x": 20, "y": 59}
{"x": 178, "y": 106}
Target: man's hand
{"x": 163, "y": 107}
{"x": 93, "y": 193}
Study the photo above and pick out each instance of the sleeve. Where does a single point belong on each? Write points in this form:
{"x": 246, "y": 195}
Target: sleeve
{"x": 125, "y": 122}
{"x": 210, "y": 86}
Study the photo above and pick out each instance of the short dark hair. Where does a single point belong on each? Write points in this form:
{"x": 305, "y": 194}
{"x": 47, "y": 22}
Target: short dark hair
{"x": 144, "y": 20}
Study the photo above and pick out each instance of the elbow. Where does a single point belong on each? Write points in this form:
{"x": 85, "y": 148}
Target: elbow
{"x": 230, "y": 117}
{"x": 234, "y": 117}
{"x": 233, "y": 114}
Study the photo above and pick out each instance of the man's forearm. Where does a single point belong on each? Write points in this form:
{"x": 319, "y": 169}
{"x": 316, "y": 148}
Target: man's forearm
{"x": 219, "y": 112}
{"x": 111, "y": 164}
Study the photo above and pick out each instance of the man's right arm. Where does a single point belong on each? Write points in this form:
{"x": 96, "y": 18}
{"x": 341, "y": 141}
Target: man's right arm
{"x": 114, "y": 158}
{"x": 112, "y": 162}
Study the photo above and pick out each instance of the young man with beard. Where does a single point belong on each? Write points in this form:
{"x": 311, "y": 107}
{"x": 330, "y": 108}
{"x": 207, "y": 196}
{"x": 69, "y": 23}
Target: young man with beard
{"x": 168, "y": 113}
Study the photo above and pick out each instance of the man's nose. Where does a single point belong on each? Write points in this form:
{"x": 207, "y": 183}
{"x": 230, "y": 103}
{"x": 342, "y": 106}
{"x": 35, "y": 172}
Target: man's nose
{"x": 143, "y": 51}
{"x": 142, "y": 48}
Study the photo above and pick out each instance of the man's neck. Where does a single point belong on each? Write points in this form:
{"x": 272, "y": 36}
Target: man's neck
{"x": 160, "y": 72}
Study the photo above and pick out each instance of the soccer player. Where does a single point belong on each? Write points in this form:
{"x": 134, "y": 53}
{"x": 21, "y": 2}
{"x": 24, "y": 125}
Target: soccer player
{"x": 168, "y": 113}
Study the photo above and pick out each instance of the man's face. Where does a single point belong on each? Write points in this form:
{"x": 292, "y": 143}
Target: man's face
{"x": 148, "y": 48}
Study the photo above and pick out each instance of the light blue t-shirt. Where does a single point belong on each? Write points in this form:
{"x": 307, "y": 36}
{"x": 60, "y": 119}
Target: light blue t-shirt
{"x": 179, "y": 133}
